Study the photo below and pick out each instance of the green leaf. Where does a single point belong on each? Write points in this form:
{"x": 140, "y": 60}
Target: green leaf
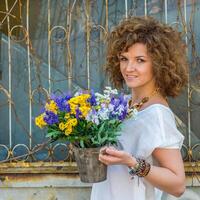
{"x": 113, "y": 121}
{"x": 101, "y": 128}
{"x": 104, "y": 139}
{"x": 53, "y": 133}
{"x": 82, "y": 144}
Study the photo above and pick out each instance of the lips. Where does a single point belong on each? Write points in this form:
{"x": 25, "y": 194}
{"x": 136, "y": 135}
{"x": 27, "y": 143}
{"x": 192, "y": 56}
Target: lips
{"x": 131, "y": 77}
{"x": 134, "y": 76}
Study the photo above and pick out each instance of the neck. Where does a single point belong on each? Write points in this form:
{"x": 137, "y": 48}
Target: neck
{"x": 140, "y": 99}
{"x": 138, "y": 94}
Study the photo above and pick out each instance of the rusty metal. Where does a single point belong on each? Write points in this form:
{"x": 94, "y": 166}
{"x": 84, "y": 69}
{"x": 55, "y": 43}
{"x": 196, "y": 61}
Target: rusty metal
{"x": 191, "y": 150}
{"x": 9, "y": 72}
{"x": 88, "y": 29}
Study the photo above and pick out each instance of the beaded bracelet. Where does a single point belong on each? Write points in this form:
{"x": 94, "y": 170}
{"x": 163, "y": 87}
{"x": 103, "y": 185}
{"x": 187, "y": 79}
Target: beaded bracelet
{"x": 141, "y": 169}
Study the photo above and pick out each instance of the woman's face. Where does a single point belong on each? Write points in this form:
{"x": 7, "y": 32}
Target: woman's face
{"x": 136, "y": 67}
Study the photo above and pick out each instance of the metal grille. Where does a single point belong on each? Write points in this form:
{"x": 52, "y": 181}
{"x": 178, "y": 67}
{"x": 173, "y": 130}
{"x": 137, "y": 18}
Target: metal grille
{"x": 58, "y": 45}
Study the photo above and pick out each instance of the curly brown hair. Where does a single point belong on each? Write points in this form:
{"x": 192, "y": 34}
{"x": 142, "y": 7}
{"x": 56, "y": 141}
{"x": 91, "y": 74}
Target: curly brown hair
{"x": 164, "y": 45}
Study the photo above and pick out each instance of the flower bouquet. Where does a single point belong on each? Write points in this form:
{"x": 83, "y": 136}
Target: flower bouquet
{"x": 88, "y": 121}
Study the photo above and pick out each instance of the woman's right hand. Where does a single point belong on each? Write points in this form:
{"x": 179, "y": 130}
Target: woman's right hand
{"x": 112, "y": 156}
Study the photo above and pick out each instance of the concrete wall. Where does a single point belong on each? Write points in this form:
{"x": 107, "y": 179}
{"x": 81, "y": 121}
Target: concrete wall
{"x": 64, "y": 187}
{"x": 43, "y": 187}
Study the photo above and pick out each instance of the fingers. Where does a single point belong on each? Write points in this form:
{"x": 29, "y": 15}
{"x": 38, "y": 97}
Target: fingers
{"x": 110, "y": 156}
{"x": 103, "y": 151}
{"x": 114, "y": 152}
{"x": 109, "y": 160}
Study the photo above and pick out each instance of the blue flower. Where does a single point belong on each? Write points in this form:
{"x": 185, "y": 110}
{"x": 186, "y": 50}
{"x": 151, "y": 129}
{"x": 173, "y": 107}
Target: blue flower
{"x": 78, "y": 113}
{"x": 62, "y": 103}
{"x": 92, "y": 99}
{"x": 123, "y": 114}
{"x": 93, "y": 117}
{"x": 42, "y": 110}
{"x": 68, "y": 97}
{"x": 50, "y": 118}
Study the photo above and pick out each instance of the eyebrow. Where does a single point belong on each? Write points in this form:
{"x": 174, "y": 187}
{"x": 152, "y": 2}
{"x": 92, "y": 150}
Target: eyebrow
{"x": 135, "y": 56}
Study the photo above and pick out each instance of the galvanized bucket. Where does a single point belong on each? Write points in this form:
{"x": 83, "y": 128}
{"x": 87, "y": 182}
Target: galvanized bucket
{"x": 91, "y": 170}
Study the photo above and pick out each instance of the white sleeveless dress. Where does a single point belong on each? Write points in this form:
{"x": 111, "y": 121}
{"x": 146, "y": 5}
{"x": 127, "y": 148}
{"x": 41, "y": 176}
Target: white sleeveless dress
{"x": 153, "y": 127}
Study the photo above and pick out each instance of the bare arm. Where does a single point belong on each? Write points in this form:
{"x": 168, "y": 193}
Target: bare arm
{"x": 169, "y": 177}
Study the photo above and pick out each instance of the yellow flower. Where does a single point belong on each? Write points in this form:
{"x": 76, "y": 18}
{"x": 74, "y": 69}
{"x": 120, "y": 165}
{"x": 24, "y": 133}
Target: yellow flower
{"x": 39, "y": 121}
{"x": 68, "y": 130}
{"x": 73, "y": 122}
{"x": 51, "y": 106}
{"x": 74, "y": 100}
{"x": 79, "y": 100}
{"x": 67, "y": 116}
{"x": 84, "y": 110}
{"x": 97, "y": 107}
{"x": 62, "y": 126}
{"x": 73, "y": 108}
{"x": 86, "y": 96}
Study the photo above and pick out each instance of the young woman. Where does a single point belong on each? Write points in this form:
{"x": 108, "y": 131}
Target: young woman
{"x": 149, "y": 57}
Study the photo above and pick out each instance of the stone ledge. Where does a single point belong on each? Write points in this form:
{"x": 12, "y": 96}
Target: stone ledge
{"x": 38, "y": 168}
{"x": 63, "y": 174}
{"x": 64, "y": 167}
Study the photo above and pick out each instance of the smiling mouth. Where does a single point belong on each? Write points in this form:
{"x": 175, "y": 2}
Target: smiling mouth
{"x": 131, "y": 76}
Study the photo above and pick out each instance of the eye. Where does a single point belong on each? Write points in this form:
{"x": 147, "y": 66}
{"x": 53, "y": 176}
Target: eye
{"x": 121, "y": 59}
{"x": 139, "y": 60}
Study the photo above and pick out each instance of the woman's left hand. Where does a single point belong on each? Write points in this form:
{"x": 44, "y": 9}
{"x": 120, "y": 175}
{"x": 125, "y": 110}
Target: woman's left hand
{"x": 112, "y": 156}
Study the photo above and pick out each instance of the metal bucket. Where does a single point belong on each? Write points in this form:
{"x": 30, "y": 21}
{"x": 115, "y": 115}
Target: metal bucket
{"x": 91, "y": 170}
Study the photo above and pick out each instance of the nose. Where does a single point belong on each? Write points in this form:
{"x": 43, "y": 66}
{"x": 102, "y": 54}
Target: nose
{"x": 131, "y": 66}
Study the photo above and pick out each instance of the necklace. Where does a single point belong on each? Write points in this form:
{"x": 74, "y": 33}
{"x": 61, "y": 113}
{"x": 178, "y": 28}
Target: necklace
{"x": 138, "y": 105}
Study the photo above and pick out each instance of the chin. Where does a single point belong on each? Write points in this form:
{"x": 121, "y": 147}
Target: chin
{"x": 129, "y": 85}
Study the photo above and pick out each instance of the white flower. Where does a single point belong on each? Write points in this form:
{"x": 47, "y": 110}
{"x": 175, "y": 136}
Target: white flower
{"x": 111, "y": 107}
{"x": 95, "y": 120}
{"x": 103, "y": 114}
{"x": 92, "y": 117}
{"x": 78, "y": 93}
{"x": 98, "y": 95}
{"x": 109, "y": 91}
{"x": 108, "y": 88}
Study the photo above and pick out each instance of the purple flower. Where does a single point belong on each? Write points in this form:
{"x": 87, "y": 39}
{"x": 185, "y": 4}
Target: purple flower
{"x": 122, "y": 100}
{"x": 119, "y": 103}
{"x": 116, "y": 104}
{"x": 78, "y": 113}
{"x": 62, "y": 102}
{"x": 50, "y": 118}
{"x": 67, "y": 108}
{"x": 63, "y": 105}
{"x": 68, "y": 97}
{"x": 93, "y": 116}
{"x": 42, "y": 110}
{"x": 92, "y": 99}
{"x": 53, "y": 97}
{"x": 122, "y": 116}
{"x": 118, "y": 107}
{"x": 112, "y": 116}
